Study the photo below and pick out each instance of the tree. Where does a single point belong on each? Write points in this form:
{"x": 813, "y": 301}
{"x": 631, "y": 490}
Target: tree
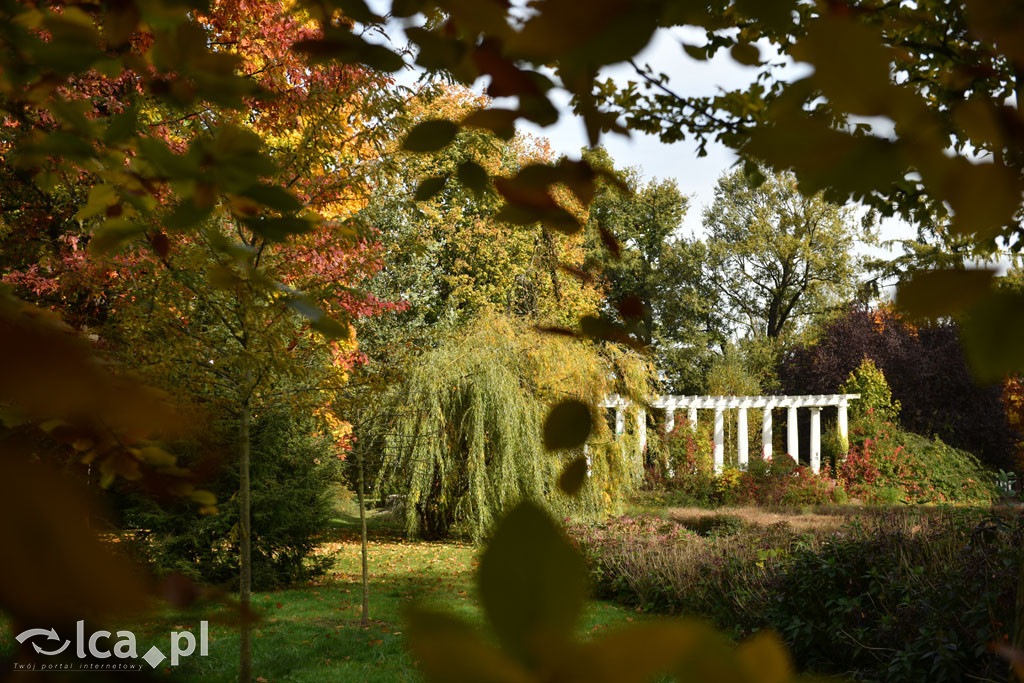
{"x": 465, "y": 446}
{"x": 926, "y": 368}
{"x": 450, "y": 256}
{"x": 172, "y": 162}
{"x": 779, "y": 257}
{"x": 659, "y": 283}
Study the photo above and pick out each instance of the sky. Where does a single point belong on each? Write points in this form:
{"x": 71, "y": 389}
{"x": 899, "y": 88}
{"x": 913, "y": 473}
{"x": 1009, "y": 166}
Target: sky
{"x": 695, "y": 176}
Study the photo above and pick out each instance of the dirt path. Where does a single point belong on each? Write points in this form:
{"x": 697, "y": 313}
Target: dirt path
{"x": 810, "y": 521}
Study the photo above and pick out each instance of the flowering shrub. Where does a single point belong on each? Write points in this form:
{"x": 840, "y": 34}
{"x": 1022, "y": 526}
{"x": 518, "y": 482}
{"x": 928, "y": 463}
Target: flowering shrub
{"x": 886, "y": 464}
{"x": 688, "y": 470}
{"x": 781, "y": 481}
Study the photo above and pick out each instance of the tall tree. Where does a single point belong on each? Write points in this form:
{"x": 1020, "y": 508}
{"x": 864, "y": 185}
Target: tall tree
{"x": 207, "y": 141}
{"x": 660, "y": 280}
{"x": 779, "y": 257}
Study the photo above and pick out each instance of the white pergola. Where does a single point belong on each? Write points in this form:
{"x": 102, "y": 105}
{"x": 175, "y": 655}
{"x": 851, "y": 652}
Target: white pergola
{"x": 691, "y": 404}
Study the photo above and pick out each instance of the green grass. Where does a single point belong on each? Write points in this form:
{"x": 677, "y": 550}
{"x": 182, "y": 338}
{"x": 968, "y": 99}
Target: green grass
{"x": 312, "y": 632}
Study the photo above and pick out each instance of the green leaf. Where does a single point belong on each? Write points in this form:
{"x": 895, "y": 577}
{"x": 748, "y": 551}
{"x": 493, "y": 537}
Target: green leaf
{"x": 568, "y": 425}
{"x": 777, "y": 14}
{"x": 643, "y": 652}
{"x": 203, "y": 497}
{"x": 448, "y": 650}
{"x": 121, "y": 126}
{"x": 993, "y": 336}
{"x": 698, "y": 52}
{"x": 501, "y": 122}
{"x": 186, "y": 214}
{"x": 937, "y": 293}
{"x": 330, "y": 328}
{"x": 573, "y": 476}
{"x": 859, "y": 86}
{"x": 101, "y": 197}
{"x": 430, "y": 188}
{"x": 113, "y": 235}
{"x": 765, "y": 659}
{"x": 555, "y": 218}
{"x": 746, "y": 53}
{"x": 166, "y": 162}
{"x": 430, "y": 136}
{"x": 984, "y": 197}
{"x": 279, "y": 229}
{"x": 273, "y": 196}
{"x": 532, "y": 583}
{"x": 343, "y": 46}
{"x": 318, "y": 319}
{"x": 357, "y": 10}
{"x": 473, "y": 176}
{"x": 436, "y": 52}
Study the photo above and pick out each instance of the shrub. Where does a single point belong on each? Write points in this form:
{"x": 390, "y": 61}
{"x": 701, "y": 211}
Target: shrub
{"x": 888, "y": 465}
{"x": 292, "y": 475}
{"x": 689, "y": 471}
{"x": 904, "y": 595}
{"x": 926, "y": 368}
{"x": 781, "y": 481}
{"x": 902, "y": 598}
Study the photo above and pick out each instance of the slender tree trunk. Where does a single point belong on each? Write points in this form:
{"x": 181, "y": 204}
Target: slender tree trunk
{"x": 245, "y": 550}
{"x": 364, "y": 619}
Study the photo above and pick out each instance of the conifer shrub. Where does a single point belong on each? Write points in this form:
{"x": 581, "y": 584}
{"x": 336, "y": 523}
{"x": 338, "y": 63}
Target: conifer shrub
{"x": 292, "y": 477}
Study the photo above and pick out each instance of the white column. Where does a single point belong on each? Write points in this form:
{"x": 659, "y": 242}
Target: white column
{"x": 691, "y": 415}
{"x": 841, "y": 423}
{"x": 620, "y": 421}
{"x": 741, "y": 438}
{"x": 815, "y": 439}
{"x": 670, "y": 424}
{"x": 719, "y": 440}
{"x": 641, "y": 431}
{"x": 766, "y": 434}
{"x": 792, "y": 440}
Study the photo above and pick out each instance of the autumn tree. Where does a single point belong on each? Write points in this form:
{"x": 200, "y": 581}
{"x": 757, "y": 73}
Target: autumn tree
{"x": 207, "y": 140}
{"x": 779, "y": 257}
{"x": 660, "y": 281}
{"x": 450, "y": 256}
{"x": 926, "y": 367}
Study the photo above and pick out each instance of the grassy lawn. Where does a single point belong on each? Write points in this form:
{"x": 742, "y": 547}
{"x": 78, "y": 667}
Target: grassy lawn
{"x": 312, "y": 632}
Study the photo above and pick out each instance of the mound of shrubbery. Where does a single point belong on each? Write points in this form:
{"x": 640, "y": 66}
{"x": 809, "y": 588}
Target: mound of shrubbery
{"x": 907, "y": 594}
{"x": 889, "y": 465}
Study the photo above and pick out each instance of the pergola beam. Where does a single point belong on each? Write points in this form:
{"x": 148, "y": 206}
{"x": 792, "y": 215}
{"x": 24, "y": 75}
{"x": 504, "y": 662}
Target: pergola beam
{"x": 720, "y": 404}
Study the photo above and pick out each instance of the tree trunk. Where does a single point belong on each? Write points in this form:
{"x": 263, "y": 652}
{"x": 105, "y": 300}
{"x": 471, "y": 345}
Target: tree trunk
{"x": 245, "y": 549}
{"x": 364, "y": 619}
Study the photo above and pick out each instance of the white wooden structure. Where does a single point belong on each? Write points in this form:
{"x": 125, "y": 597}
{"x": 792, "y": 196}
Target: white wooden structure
{"x": 691, "y": 404}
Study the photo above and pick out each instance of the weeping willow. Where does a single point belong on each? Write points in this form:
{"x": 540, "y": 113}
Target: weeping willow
{"x": 466, "y": 444}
